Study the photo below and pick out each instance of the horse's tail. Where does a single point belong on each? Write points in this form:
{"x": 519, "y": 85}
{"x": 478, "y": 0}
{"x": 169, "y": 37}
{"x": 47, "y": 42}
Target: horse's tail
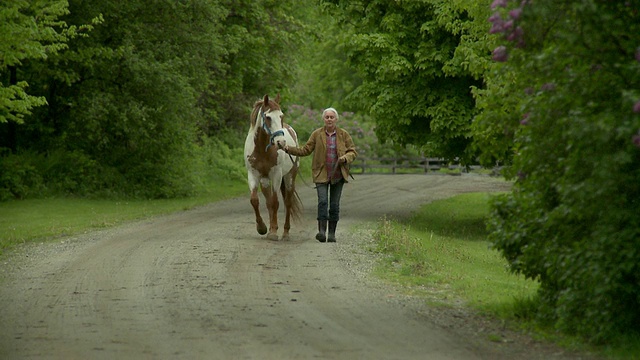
{"x": 291, "y": 197}
{"x": 296, "y": 204}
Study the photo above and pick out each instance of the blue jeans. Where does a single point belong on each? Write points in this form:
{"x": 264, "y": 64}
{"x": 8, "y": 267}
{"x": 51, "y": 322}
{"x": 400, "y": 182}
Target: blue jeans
{"x": 329, "y": 196}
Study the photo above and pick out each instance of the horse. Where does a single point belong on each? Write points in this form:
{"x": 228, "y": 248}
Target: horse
{"x": 271, "y": 169}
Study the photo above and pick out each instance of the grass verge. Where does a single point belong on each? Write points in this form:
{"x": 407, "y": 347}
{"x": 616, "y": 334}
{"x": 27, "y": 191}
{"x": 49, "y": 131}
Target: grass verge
{"x": 441, "y": 254}
{"x": 443, "y": 249}
{"x": 23, "y": 221}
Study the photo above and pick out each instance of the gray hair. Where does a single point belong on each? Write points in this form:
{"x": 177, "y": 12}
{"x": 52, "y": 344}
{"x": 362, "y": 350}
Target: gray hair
{"x": 331, "y": 109}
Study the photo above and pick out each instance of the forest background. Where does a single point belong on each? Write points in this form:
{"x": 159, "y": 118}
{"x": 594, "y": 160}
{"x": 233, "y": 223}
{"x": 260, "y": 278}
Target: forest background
{"x": 150, "y": 99}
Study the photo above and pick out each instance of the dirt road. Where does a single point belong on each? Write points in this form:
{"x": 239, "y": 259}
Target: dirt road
{"x": 202, "y": 284}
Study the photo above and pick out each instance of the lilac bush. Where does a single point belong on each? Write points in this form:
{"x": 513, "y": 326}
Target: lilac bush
{"x": 562, "y": 111}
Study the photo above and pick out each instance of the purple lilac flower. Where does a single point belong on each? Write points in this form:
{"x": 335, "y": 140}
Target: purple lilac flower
{"x": 495, "y": 17}
{"x": 636, "y": 107}
{"x": 520, "y": 35}
{"x": 508, "y": 25}
{"x": 516, "y": 34}
{"x": 496, "y": 28}
{"x": 515, "y": 13}
{"x": 500, "y": 54}
{"x": 548, "y": 87}
{"x": 498, "y": 23}
{"x": 498, "y": 3}
{"x": 525, "y": 119}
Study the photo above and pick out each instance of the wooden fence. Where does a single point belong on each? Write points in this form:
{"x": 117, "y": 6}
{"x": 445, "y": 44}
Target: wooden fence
{"x": 401, "y": 165}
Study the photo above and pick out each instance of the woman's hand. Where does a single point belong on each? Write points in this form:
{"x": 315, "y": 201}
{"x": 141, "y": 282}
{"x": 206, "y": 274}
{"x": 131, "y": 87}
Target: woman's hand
{"x": 342, "y": 159}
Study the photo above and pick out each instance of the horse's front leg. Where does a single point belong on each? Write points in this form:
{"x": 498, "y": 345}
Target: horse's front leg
{"x": 272, "y": 206}
{"x": 255, "y": 202}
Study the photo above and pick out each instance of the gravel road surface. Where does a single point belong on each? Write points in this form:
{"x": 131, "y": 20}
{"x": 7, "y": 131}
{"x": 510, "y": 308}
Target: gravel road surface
{"x": 202, "y": 284}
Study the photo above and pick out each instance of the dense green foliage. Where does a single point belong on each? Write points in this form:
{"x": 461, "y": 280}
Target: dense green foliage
{"x": 324, "y": 78}
{"x": 131, "y": 105}
{"x": 419, "y": 61}
{"x": 23, "y": 39}
{"x": 561, "y": 100}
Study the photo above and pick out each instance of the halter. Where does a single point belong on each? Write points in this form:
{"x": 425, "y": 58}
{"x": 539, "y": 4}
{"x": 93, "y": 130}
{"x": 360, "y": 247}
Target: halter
{"x": 268, "y": 130}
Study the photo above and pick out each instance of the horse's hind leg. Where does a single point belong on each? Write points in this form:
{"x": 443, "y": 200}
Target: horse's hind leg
{"x": 272, "y": 207}
{"x": 255, "y": 202}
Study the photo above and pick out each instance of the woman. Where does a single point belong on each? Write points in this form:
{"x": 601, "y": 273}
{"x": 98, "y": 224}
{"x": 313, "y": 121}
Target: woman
{"x": 333, "y": 150}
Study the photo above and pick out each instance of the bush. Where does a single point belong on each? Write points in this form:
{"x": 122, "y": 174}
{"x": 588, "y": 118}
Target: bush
{"x": 31, "y": 174}
{"x": 218, "y": 161}
{"x": 73, "y": 173}
{"x": 19, "y": 178}
{"x": 563, "y": 96}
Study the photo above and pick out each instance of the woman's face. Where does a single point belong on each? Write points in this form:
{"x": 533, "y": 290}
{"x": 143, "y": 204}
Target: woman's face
{"x": 330, "y": 120}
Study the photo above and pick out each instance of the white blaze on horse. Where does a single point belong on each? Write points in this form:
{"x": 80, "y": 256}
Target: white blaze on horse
{"x": 269, "y": 168}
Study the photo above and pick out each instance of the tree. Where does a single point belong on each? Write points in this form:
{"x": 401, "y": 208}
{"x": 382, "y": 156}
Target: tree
{"x": 324, "y": 77}
{"x": 128, "y": 106}
{"x": 419, "y": 61}
{"x": 29, "y": 30}
{"x": 261, "y": 40}
{"x": 561, "y": 108}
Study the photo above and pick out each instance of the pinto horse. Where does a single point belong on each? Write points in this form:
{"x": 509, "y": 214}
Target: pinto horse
{"x": 269, "y": 168}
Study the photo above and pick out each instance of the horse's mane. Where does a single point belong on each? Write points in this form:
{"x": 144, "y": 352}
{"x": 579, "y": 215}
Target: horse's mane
{"x": 271, "y": 106}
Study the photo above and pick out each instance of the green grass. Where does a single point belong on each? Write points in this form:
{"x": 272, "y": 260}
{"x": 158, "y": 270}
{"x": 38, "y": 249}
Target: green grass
{"x": 444, "y": 250}
{"x": 442, "y": 254}
{"x": 23, "y": 221}
{"x": 29, "y": 220}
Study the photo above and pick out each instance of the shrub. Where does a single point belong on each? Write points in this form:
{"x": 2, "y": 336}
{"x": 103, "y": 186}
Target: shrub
{"x": 19, "y": 178}
{"x": 563, "y": 95}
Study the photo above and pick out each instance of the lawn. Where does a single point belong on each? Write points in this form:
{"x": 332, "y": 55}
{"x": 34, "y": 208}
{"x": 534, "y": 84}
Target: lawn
{"x": 443, "y": 249}
{"x": 41, "y": 219}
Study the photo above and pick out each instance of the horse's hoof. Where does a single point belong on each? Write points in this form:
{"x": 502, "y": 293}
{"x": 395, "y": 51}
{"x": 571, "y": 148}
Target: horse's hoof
{"x": 261, "y": 229}
{"x": 285, "y": 238}
{"x": 272, "y": 237}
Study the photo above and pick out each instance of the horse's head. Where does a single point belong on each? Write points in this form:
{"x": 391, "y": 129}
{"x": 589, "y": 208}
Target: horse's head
{"x": 270, "y": 115}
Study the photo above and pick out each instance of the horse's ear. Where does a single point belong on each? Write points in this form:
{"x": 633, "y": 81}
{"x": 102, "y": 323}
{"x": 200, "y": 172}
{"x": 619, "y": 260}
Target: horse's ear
{"x": 265, "y": 101}
{"x": 277, "y": 100}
